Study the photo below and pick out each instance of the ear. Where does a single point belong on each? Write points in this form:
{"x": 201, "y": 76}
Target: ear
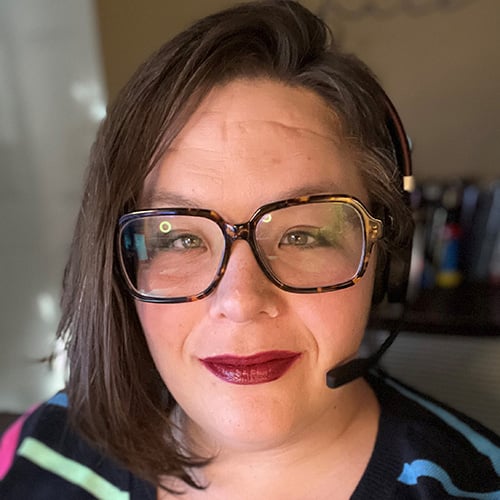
{"x": 398, "y": 272}
{"x": 381, "y": 277}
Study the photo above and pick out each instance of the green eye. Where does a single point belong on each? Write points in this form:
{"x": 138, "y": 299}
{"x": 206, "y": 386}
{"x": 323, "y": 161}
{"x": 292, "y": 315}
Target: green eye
{"x": 302, "y": 237}
{"x": 184, "y": 242}
{"x": 309, "y": 238}
{"x": 298, "y": 239}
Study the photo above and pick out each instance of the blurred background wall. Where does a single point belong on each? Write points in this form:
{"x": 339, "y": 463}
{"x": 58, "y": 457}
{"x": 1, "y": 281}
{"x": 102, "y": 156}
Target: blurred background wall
{"x": 51, "y": 101}
{"x": 61, "y": 61}
{"x": 440, "y": 67}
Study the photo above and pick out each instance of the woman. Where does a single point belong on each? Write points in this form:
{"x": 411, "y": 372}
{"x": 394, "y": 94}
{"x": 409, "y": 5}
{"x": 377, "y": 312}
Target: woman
{"x": 199, "y": 342}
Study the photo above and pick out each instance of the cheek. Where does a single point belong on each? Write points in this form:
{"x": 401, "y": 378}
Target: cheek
{"x": 337, "y": 320}
{"x": 166, "y": 327}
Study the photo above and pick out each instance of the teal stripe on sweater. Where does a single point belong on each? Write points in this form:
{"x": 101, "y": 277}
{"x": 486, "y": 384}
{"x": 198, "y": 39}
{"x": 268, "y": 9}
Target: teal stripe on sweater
{"x": 71, "y": 471}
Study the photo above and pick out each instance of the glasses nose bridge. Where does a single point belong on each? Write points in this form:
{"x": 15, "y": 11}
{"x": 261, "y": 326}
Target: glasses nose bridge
{"x": 238, "y": 231}
{"x": 244, "y": 231}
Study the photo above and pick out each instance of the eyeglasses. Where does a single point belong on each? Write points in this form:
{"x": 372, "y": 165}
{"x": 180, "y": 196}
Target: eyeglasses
{"x": 310, "y": 244}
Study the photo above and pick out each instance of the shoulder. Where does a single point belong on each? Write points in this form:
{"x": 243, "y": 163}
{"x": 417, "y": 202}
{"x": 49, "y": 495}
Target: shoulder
{"x": 432, "y": 448}
{"x": 42, "y": 457}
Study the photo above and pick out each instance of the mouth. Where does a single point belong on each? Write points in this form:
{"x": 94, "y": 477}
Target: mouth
{"x": 249, "y": 370}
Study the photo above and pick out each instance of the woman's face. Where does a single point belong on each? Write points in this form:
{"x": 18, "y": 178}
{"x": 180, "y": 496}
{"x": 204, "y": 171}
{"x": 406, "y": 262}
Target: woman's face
{"x": 248, "y": 144}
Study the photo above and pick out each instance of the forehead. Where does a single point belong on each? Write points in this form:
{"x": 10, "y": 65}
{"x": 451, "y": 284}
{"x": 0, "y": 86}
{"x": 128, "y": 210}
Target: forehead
{"x": 262, "y": 101}
{"x": 254, "y": 141}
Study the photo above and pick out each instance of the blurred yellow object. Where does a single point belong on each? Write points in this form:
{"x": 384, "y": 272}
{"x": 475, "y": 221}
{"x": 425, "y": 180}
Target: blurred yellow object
{"x": 448, "y": 279}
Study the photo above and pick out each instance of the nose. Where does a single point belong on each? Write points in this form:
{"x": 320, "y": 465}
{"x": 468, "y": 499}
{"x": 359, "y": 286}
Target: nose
{"x": 244, "y": 293}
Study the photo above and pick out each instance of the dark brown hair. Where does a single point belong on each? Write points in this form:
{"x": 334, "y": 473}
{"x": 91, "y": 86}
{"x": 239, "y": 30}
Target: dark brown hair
{"x": 117, "y": 399}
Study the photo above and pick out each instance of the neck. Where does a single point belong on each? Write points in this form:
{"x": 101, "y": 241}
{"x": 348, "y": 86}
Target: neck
{"x": 332, "y": 453}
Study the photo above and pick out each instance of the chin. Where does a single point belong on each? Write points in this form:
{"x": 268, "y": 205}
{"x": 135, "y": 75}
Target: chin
{"x": 249, "y": 422}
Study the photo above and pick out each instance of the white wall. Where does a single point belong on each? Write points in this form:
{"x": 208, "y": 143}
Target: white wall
{"x": 51, "y": 99}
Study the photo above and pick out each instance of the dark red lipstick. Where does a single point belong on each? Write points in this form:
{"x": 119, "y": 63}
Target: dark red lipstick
{"x": 247, "y": 370}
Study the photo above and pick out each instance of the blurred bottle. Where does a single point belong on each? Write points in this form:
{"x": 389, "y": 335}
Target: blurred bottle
{"x": 447, "y": 245}
{"x": 434, "y": 218}
{"x": 485, "y": 230}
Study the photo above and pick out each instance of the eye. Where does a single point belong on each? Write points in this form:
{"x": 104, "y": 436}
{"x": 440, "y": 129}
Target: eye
{"x": 301, "y": 238}
{"x": 309, "y": 238}
{"x": 174, "y": 241}
{"x": 183, "y": 242}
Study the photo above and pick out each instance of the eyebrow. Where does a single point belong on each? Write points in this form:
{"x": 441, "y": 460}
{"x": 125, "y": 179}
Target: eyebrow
{"x": 311, "y": 189}
{"x": 169, "y": 199}
{"x": 166, "y": 199}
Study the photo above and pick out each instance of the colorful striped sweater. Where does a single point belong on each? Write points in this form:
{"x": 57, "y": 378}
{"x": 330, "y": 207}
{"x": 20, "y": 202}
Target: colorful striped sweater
{"x": 423, "y": 451}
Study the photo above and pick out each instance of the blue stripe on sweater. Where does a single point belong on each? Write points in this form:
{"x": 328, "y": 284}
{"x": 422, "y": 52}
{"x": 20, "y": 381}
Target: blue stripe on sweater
{"x": 60, "y": 399}
{"x": 482, "y": 444}
{"x": 425, "y": 468}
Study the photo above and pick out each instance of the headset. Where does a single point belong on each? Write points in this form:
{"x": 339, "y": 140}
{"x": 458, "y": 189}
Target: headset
{"x": 392, "y": 274}
{"x": 393, "y": 271}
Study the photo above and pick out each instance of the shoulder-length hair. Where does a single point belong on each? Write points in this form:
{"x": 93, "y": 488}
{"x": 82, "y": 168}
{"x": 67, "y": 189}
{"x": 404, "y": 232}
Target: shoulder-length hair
{"x": 117, "y": 398}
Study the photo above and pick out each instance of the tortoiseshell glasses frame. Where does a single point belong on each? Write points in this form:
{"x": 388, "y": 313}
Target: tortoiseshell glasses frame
{"x": 372, "y": 230}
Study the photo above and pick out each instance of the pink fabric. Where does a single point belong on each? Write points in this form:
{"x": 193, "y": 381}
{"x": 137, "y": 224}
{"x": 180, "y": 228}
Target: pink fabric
{"x": 9, "y": 442}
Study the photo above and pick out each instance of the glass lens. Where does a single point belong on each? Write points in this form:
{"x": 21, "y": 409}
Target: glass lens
{"x": 312, "y": 245}
{"x": 172, "y": 256}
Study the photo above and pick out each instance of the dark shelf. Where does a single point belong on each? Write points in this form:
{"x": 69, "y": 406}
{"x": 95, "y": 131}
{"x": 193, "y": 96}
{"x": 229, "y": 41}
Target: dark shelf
{"x": 472, "y": 310}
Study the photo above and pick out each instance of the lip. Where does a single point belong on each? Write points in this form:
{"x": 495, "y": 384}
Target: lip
{"x": 259, "y": 368}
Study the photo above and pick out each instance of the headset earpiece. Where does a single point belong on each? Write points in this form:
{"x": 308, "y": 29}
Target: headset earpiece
{"x": 380, "y": 284}
{"x": 398, "y": 271}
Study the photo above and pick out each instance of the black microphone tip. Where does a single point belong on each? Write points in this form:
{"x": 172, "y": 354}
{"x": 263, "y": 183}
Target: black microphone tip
{"x": 347, "y": 372}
